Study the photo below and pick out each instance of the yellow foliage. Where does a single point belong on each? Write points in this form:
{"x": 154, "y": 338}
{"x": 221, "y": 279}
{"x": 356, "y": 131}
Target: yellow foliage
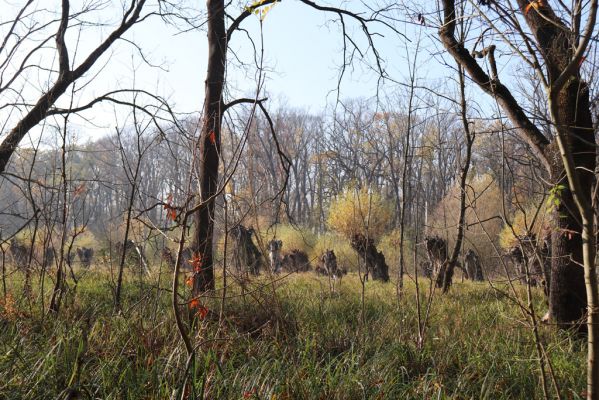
{"x": 292, "y": 237}
{"x": 359, "y": 211}
{"x": 524, "y": 223}
{"x": 83, "y": 239}
{"x": 482, "y": 215}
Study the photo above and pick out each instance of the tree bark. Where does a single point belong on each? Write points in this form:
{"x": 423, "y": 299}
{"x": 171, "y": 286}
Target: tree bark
{"x": 209, "y": 147}
{"x": 567, "y": 298}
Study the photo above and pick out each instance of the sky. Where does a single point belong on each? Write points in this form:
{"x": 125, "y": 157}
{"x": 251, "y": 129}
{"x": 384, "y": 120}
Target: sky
{"x": 302, "y": 56}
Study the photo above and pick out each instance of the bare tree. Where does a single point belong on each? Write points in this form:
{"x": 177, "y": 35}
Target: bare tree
{"x": 22, "y": 47}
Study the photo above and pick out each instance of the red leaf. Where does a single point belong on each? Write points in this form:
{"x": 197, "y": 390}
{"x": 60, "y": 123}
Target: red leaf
{"x": 212, "y": 137}
{"x": 196, "y": 262}
{"x": 171, "y": 214}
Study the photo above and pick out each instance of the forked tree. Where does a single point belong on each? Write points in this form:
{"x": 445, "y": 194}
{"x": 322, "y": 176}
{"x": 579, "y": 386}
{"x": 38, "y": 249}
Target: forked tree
{"x": 552, "y": 40}
{"x": 555, "y": 51}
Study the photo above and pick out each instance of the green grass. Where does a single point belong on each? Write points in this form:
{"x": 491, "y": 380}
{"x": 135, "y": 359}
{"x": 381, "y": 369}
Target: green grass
{"x": 303, "y": 343}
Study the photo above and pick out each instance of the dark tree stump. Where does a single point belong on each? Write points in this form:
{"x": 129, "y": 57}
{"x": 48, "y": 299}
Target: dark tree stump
{"x": 274, "y": 254}
{"x": 247, "y": 255}
{"x": 472, "y": 266}
{"x": 296, "y": 261}
{"x": 374, "y": 259}
{"x": 436, "y": 249}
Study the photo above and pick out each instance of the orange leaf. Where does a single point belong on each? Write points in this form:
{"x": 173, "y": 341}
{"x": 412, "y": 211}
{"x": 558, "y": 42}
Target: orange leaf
{"x": 527, "y": 8}
{"x": 196, "y": 262}
{"x": 189, "y": 281}
{"x": 168, "y": 201}
{"x": 212, "y": 137}
{"x": 80, "y": 189}
{"x": 533, "y": 4}
{"x": 195, "y": 303}
{"x": 202, "y": 312}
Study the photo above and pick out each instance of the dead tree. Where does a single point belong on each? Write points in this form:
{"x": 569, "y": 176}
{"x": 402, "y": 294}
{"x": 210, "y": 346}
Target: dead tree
{"x": 274, "y": 254}
{"x": 247, "y": 256}
{"x": 328, "y": 265}
{"x": 48, "y": 258}
{"x": 186, "y": 259}
{"x": 427, "y": 268}
{"x": 296, "y": 261}
{"x": 532, "y": 262}
{"x": 374, "y": 259}
{"x": 85, "y": 255}
{"x": 134, "y": 255}
{"x": 19, "y": 254}
{"x": 472, "y": 266}
{"x": 436, "y": 249}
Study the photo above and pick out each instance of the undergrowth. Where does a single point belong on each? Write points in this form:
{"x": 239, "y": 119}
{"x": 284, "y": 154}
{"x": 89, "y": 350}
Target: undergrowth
{"x": 302, "y": 343}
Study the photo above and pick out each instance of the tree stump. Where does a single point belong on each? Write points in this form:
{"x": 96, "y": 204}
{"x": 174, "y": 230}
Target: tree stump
{"x": 374, "y": 259}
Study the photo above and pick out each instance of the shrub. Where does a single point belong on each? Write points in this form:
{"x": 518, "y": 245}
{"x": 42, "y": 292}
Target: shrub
{"x": 389, "y": 246}
{"x": 293, "y": 237}
{"x": 482, "y": 215}
{"x": 360, "y": 211}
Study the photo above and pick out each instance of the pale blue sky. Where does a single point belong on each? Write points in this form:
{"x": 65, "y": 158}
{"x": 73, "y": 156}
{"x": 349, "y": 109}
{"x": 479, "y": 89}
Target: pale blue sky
{"x": 303, "y": 52}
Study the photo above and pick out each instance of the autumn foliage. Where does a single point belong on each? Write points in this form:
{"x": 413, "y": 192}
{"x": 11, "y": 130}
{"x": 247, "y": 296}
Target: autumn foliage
{"x": 360, "y": 211}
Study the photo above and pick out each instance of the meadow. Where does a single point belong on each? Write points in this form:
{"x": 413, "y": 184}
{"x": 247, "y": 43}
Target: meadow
{"x": 289, "y": 339}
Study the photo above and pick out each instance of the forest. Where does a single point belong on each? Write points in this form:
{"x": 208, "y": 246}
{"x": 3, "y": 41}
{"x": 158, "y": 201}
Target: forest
{"x": 427, "y": 229}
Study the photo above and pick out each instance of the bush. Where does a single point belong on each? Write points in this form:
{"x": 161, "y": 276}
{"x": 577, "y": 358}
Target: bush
{"x": 359, "y": 211}
{"x": 293, "y": 237}
{"x": 482, "y": 215}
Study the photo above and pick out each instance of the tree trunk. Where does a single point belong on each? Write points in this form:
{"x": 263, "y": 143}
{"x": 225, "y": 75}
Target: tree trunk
{"x": 453, "y": 259}
{"x": 567, "y": 299}
{"x": 209, "y": 147}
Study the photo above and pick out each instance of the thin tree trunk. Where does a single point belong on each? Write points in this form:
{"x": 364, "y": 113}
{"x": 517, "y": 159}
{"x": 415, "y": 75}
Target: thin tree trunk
{"x": 404, "y": 182}
{"x": 453, "y": 259}
{"x": 209, "y": 147}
